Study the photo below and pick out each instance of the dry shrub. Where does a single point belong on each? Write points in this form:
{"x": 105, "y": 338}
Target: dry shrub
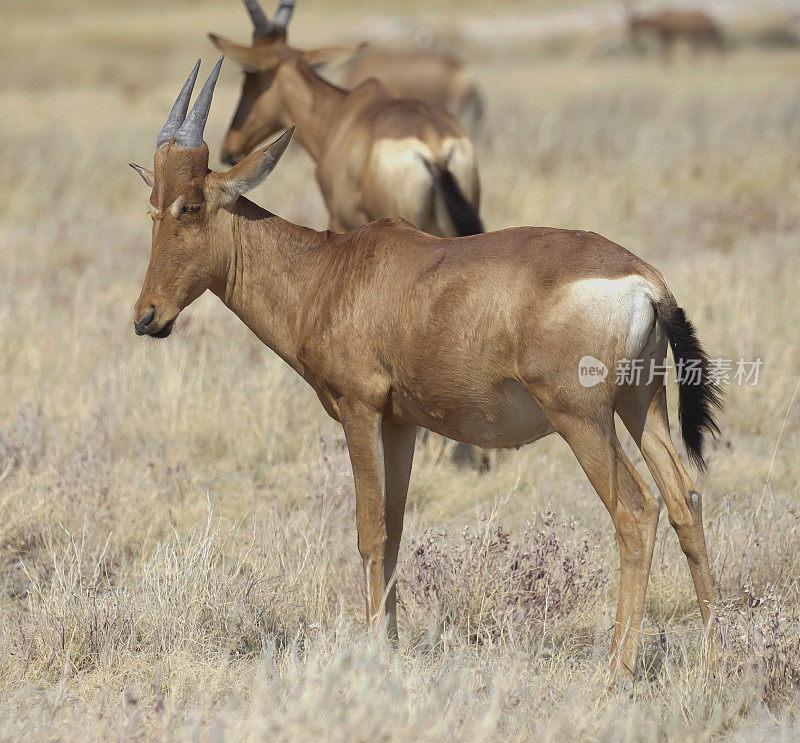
{"x": 487, "y": 581}
{"x": 757, "y": 544}
{"x": 194, "y": 593}
{"x": 760, "y": 638}
{"x": 199, "y": 591}
{"x": 70, "y": 633}
{"x": 73, "y": 617}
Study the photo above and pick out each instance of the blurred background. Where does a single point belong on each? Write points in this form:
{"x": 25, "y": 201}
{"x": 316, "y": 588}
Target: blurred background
{"x": 122, "y": 461}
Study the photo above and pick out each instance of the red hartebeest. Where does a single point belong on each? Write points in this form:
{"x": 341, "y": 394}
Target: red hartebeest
{"x": 376, "y": 155}
{"x": 671, "y": 26}
{"x": 434, "y": 77}
{"x": 480, "y": 339}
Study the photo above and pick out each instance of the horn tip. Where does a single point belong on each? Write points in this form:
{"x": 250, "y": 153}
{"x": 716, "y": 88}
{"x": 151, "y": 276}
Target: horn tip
{"x": 193, "y": 77}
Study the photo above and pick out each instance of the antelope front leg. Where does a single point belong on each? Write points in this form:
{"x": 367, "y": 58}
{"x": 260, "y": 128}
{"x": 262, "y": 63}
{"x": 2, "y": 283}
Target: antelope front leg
{"x": 381, "y": 457}
{"x": 398, "y": 455}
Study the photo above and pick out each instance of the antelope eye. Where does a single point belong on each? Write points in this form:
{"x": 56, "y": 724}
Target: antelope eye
{"x": 190, "y": 208}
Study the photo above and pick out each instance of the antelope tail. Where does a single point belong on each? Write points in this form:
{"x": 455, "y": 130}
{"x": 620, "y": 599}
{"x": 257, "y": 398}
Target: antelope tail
{"x": 698, "y": 395}
{"x": 462, "y": 212}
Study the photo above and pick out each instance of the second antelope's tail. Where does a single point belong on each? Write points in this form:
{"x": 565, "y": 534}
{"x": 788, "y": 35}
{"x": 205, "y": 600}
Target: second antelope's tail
{"x": 698, "y": 397}
{"x": 462, "y": 212}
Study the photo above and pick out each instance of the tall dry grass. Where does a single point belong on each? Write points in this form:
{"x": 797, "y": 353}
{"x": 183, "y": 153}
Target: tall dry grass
{"x": 177, "y": 549}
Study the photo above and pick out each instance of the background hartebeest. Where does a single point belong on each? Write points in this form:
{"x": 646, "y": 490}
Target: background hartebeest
{"x": 431, "y": 76}
{"x": 477, "y": 338}
{"x": 377, "y": 155}
{"x": 671, "y": 26}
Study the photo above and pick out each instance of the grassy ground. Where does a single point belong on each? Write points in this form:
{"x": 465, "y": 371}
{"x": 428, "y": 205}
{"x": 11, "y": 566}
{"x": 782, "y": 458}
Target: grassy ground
{"x": 177, "y": 548}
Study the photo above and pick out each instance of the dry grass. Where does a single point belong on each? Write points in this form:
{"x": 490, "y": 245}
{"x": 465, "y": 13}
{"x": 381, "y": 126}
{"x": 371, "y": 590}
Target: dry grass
{"x": 177, "y": 549}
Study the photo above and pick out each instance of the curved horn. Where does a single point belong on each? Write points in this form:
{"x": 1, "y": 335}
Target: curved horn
{"x": 179, "y": 108}
{"x": 284, "y": 13}
{"x": 190, "y": 134}
{"x": 261, "y": 23}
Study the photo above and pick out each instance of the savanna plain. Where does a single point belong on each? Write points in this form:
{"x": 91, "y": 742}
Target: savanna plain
{"x": 177, "y": 544}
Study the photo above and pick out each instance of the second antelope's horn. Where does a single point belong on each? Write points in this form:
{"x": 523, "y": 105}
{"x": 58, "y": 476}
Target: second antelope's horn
{"x": 284, "y": 13}
{"x": 261, "y": 23}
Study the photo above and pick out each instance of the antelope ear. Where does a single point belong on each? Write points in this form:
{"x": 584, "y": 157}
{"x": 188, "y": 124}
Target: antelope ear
{"x": 331, "y": 55}
{"x": 251, "y": 171}
{"x": 147, "y": 175}
{"x": 248, "y": 58}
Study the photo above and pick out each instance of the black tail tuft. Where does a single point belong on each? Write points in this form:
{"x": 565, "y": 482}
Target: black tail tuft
{"x": 698, "y": 397}
{"x": 462, "y": 212}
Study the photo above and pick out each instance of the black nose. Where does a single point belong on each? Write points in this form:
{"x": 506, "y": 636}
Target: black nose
{"x": 141, "y": 326}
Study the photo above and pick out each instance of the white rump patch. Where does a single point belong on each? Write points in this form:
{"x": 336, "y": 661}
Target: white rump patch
{"x": 401, "y": 153}
{"x": 401, "y": 163}
{"x": 624, "y": 306}
{"x": 405, "y": 156}
{"x": 460, "y": 160}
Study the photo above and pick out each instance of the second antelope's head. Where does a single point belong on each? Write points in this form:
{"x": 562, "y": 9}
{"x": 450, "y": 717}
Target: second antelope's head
{"x": 261, "y": 112}
{"x": 186, "y": 200}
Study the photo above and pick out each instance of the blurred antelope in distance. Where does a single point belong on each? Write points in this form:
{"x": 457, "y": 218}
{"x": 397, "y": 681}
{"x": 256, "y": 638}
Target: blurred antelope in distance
{"x": 434, "y": 77}
{"x": 376, "y": 155}
{"x": 481, "y": 339}
{"x": 671, "y": 26}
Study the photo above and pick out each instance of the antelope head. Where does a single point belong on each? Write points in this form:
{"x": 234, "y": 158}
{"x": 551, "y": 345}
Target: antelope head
{"x": 185, "y": 202}
{"x": 260, "y": 112}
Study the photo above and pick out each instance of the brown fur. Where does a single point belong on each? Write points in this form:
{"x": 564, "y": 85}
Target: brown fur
{"x": 476, "y": 338}
{"x": 672, "y": 26}
{"x": 368, "y": 144}
{"x": 435, "y": 78}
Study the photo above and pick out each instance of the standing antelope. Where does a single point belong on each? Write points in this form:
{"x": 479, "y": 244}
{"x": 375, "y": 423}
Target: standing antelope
{"x": 433, "y": 77}
{"x": 671, "y": 26}
{"x": 477, "y": 338}
{"x": 377, "y": 155}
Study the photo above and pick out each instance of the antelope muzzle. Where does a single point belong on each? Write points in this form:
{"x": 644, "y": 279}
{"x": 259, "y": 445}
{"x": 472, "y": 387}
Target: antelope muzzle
{"x": 146, "y": 324}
